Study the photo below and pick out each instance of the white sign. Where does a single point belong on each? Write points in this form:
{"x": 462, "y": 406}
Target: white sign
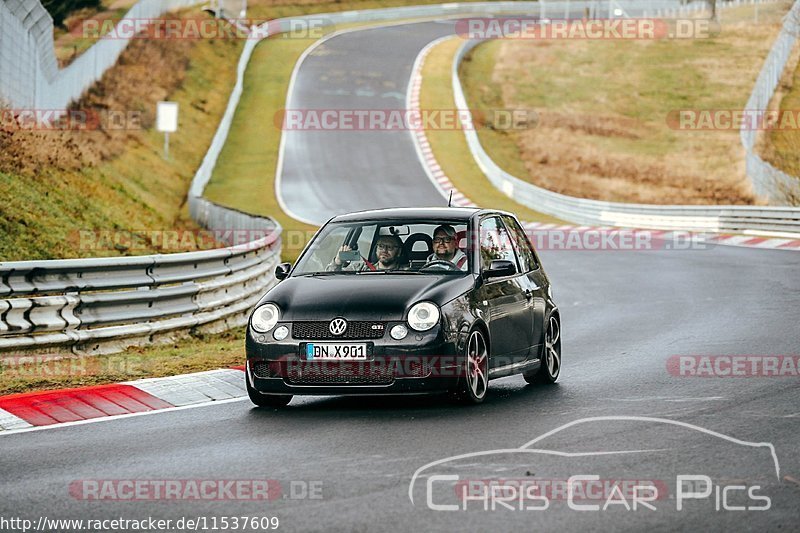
{"x": 167, "y": 117}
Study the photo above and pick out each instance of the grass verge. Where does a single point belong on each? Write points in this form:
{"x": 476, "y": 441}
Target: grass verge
{"x": 204, "y": 352}
{"x": 781, "y": 147}
{"x": 603, "y": 109}
{"x": 244, "y": 177}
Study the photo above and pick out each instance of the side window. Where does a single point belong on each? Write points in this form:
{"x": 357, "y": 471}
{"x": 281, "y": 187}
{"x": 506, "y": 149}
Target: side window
{"x": 495, "y": 243}
{"x": 521, "y": 245}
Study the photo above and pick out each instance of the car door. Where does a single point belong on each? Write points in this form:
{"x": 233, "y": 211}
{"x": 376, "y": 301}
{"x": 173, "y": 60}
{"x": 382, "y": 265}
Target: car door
{"x": 506, "y": 306}
{"x": 533, "y": 281}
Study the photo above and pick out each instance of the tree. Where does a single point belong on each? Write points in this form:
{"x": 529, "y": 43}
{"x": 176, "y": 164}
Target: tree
{"x": 61, "y": 9}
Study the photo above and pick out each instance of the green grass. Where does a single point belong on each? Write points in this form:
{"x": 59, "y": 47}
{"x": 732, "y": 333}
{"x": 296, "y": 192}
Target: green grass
{"x": 450, "y": 146}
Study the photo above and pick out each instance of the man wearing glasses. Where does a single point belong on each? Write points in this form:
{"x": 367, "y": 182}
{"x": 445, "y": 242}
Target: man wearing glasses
{"x": 388, "y": 250}
{"x": 445, "y": 247}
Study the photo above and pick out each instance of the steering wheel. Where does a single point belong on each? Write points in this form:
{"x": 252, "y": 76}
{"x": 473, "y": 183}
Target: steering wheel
{"x": 439, "y": 264}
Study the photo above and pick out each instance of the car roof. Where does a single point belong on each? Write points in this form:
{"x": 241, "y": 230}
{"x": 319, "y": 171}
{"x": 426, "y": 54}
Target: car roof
{"x": 400, "y": 213}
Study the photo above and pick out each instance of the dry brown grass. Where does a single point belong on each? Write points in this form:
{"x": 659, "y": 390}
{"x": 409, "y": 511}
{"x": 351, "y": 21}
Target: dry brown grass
{"x": 147, "y": 72}
{"x": 602, "y": 130}
{"x": 55, "y": 184}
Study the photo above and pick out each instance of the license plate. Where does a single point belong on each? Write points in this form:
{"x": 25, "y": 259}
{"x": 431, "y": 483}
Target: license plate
{"x": 331, "y": 351}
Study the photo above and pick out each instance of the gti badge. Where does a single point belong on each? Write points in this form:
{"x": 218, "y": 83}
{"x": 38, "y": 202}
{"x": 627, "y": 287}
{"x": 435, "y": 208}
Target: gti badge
{"x": 337, "y": 326}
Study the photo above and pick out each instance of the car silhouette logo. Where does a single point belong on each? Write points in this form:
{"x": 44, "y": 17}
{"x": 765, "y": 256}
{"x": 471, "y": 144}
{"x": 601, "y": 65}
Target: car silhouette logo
{"x": 337, "y": 326}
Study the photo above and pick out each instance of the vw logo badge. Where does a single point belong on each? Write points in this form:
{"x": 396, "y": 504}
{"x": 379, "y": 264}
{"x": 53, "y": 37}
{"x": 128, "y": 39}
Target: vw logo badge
{"x": 337, "y": 326}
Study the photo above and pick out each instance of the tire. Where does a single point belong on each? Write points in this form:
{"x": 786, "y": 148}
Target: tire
{"x": 550, "y": 368}
{"x": 267, "y": 400}
{"x": 474, "y": 380}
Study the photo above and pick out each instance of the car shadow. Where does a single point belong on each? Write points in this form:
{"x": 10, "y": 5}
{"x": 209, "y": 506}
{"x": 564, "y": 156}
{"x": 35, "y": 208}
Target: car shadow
{"x": 504, "y": 394}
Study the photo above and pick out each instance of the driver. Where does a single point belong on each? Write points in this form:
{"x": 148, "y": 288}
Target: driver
{"x": 445, "y": 247}
{"x": 388, "y": 251}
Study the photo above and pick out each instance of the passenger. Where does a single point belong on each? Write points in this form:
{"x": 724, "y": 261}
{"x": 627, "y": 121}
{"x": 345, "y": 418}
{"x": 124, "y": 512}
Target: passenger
{"x": 445, "y": 247}
{"x": 388, "y": 251}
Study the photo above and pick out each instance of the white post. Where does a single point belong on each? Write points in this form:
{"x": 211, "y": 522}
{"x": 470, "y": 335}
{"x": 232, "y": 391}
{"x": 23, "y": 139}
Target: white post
{"x": 166, "y": 121}
{"x": 542, "y": 9}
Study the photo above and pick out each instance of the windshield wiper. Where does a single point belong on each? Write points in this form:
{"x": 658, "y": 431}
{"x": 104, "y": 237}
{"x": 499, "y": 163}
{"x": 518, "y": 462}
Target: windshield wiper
{"x": 389, "y": 271}
{"x": 325, "y": 273}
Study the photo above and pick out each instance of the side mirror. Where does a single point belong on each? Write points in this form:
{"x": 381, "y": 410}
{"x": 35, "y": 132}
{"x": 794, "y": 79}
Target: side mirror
{"x": 282, "y": 271}
{"x": 500, "y": 268}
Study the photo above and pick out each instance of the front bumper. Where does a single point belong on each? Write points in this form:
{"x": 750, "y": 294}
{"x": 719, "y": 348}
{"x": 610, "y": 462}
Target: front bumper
{"x": 426, "y": 362}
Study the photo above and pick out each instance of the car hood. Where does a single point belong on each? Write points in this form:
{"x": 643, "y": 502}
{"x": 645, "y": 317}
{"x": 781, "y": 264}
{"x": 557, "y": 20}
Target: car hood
{"x": 362, "y": 296}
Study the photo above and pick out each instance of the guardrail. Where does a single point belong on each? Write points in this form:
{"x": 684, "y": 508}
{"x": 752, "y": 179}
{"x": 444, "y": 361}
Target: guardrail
{"x": 93, "y": 306}
{"x": 767, "y": 180}
{"x": 771, "y": 221}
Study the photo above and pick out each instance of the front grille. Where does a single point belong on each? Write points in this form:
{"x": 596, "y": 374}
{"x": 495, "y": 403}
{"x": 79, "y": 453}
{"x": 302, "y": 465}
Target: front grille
{"x": 355, "y": 330}
{"x": 327, "y": 373}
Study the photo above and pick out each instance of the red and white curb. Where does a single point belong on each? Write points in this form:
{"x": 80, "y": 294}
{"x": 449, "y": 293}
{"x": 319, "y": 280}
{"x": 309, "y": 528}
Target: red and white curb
{"x": 445, "y": 185}
{"x": 52, "y": 408}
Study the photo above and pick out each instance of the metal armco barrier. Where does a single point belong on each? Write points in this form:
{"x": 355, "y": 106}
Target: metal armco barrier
{"x": 771, "y": 221}
{"x": 767, "y": 180}
{"x": 103, "y": 305}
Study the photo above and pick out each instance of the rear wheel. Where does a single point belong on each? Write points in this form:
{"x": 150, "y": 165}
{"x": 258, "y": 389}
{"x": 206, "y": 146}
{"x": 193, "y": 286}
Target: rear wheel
{"x": 475, "y": 374}
{"x": 551, "y": 358}
{"x": 267, "y": 400}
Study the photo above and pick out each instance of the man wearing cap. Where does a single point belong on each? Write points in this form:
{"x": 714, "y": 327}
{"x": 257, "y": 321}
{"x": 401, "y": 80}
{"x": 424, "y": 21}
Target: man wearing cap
{"x": 445, "y": 247}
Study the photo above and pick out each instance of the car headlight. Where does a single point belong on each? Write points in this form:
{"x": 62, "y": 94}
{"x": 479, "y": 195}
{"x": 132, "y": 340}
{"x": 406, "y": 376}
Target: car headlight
{"x": 265, "y": 317}
{"x": 423, "y": 316}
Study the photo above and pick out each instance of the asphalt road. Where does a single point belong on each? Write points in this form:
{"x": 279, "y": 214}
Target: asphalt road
{"x": 625, "y": 313}
{"x": 325, "y": 173}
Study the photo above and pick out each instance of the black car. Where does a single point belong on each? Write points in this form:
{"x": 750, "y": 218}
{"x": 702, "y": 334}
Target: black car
{"x": 405, "y": 301}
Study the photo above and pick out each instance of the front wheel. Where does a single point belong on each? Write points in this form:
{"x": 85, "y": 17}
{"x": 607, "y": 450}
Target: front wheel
{"x": 474, "y": 380}
{"x": 551, "y": 365}
{"x": 267, "y": 400}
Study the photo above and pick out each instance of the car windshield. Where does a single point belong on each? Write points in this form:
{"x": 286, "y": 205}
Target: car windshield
{"x": 380, "y": 247}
